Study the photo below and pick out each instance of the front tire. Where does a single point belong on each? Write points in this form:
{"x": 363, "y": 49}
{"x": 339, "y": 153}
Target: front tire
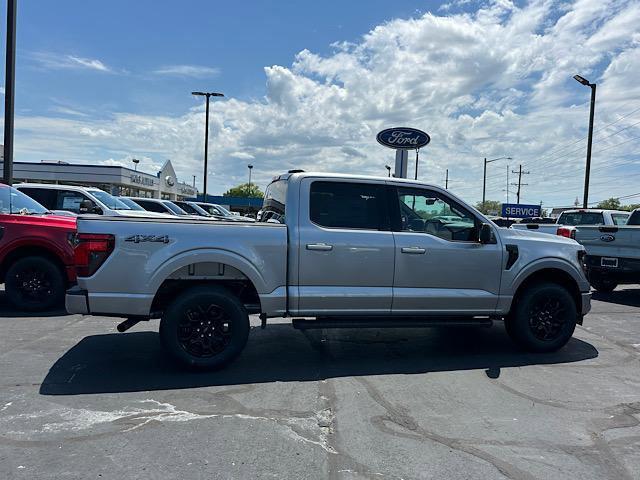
{"x": 544, "y": 318}
{"x": 205, "y": 328}
{"x": 34, "y": 284}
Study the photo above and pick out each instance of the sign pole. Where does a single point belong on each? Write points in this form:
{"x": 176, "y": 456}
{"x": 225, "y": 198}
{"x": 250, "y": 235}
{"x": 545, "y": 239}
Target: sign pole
{"x": 402, "y": 161}
{"x": 9, "y": 93}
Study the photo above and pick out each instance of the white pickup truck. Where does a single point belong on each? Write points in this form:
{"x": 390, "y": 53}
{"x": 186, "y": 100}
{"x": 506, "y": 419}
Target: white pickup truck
{"x": 613, "y": 253}
{"x": 569, "y": 219}
{"x": 341, "y": 251}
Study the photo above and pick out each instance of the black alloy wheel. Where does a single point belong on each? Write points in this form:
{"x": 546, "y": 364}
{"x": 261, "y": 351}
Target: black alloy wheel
{"x": 205, "y": 330}
{"x": 34, "y": 284}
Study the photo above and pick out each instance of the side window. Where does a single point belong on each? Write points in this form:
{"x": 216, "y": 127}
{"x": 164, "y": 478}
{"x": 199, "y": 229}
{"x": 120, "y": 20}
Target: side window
{"x": 430, "y": 212}
{"x": 46, "y": 198}
{"x": 619, "y": 218}
{"x": 348, "y": 205}
{"x": 151, "y": 206}
{"x": 70, "y": 201}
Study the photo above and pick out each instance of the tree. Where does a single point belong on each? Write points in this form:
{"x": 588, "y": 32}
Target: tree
{"x": 244, "y": 191}
{"x": 609, "y": 204}
{"x": 491, "y": 207}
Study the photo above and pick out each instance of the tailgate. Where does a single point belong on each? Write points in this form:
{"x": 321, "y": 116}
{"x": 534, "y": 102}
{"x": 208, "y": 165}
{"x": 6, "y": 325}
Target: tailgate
{"x": 605, "y": 241}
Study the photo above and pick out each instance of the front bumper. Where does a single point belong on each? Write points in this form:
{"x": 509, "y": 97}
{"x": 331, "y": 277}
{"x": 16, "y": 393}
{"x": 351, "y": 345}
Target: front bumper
{"x": 76, "y": 301}
{"x": 586, "y": 302}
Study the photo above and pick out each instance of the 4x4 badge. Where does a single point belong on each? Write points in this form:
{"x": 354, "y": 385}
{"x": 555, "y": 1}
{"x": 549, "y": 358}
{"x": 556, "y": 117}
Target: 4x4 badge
{"x": 147, "y": 238}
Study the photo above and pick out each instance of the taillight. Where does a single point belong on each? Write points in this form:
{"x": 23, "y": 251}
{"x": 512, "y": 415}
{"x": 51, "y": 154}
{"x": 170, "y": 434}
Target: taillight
{"x": 566, "y": 232}
{"x": 91, "y": 250}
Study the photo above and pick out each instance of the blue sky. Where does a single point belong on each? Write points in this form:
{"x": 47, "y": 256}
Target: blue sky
{"x": 308, "y": 85}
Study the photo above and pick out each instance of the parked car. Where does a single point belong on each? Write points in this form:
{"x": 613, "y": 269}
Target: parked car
{"x": 350, "y": 251}
{"x": 36, "y": 252}
{"x": 613, "y": 253}
{"x": 78, "y": 200}
{"x": 165, "y": 207}
{"x": 572, "y": 218}
{"x": 220, "y": 211}
{"x": 194, "y": 209}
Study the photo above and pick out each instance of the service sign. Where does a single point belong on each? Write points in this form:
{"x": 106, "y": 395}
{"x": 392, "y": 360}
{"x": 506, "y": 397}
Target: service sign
{"x": 515, "y": 210}
{"x": 403, "y": 138}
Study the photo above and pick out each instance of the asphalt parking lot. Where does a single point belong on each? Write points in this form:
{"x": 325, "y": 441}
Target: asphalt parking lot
{"x": 81, "y": 401}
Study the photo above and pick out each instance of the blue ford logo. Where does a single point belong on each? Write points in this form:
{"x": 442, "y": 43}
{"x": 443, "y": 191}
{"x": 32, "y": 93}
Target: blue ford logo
{"x": 607, "y": 238}
{"x": 409, "y": 138}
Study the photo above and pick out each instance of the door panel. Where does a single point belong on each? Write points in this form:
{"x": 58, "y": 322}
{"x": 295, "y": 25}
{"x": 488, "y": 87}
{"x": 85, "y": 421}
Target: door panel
{"x": 346, "y": 254}
{"x": 439, "y": 268}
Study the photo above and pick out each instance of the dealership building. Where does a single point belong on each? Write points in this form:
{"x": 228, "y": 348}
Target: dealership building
{"x": 116, "y": 180}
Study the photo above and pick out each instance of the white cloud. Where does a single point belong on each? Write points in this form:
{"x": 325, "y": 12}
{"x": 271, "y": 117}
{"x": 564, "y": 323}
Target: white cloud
{"x": 56, "y": 61}
{"x": 194, "y": 71}
{"x": 484, "y": 84}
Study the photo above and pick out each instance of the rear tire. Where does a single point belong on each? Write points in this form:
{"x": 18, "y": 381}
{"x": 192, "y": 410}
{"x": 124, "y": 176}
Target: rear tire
{"x": 602, "y": 284}
{"x": 543, "y": 319}
{"x": 205, "y": 328}
{"x": 34, "y": 284}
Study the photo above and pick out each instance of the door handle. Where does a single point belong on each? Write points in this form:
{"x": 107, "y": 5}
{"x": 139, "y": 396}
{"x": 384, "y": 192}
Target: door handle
{"x": 321, "y": 247}
{"x": 413, "y": 250}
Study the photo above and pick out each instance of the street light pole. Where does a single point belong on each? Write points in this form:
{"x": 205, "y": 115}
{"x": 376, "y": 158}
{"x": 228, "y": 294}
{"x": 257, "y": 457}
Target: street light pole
{"x": 592, "y": 107}
{"x": 484, "y": 177}
{"x": 9, "y": 92}
{"x": 135, "y": 163}
{"x": 206, "y": 135}
{"x": 250, "y": 167}
{"x": 388, "y": 170}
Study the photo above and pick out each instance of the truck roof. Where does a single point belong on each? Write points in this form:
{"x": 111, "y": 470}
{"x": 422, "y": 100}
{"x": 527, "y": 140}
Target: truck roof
{"x": 57, "y": 186}
{"x": 594, "y": 210}
{"x": 347, "y": 176}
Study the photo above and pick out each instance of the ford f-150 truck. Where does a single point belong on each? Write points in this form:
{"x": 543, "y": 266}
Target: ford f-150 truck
{"x": 341, "y": 251}
{"x": 613, "y": 253}
{"x": 569, "y": 219}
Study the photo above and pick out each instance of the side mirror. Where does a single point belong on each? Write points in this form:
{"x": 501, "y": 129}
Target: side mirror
{"x": 87, "y": 206}
{"x": 486, "y": 234}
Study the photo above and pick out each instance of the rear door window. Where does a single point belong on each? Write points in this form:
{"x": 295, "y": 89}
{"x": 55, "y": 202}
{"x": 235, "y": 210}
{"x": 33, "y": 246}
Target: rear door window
{"x": 619, "y": 218}
{"x": 152, "y": 206}
{"x": 349, "y": 205}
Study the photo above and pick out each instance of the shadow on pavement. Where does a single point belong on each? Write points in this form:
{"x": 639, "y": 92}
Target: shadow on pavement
{"x": 9, "y": 311}
{"x": 135, "y": 362}
{"x": 629, "y": 297}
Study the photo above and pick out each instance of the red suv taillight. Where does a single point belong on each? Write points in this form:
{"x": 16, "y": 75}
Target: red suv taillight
{"x": 91, "y": 250}
{"x": 566, "y": 232}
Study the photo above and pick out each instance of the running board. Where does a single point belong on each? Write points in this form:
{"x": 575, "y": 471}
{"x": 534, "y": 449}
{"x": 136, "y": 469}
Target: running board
{"x": 390, "y": 322}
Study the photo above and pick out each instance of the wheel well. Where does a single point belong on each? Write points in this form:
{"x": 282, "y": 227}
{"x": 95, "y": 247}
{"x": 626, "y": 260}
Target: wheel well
{"x": 242, "y": 288}
{"x": 22, "y": 252}
{"x": 551, "y": 275}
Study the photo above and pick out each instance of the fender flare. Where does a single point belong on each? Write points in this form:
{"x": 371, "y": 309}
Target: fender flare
{"x": 554, "y": 263}
{"x": 206, "y": 255}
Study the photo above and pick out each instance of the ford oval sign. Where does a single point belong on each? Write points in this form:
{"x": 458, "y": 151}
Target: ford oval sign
{"x": 607, "y": 238}
{"x": 406, "y": 138}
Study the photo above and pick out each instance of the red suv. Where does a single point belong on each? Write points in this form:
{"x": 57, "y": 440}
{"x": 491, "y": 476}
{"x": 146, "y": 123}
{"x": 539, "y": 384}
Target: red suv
{"x": 36, "y": 252}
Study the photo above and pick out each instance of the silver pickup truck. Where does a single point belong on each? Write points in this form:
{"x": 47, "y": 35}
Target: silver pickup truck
{"x": 340, "y": 251}
{"x": 613, "y": 253}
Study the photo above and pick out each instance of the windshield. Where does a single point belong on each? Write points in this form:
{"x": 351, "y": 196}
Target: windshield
{"x": 174, "y": 208}
{"x": 581, "y": 218}
{"x": 131, "y": 204}
{"x": 226, "y": 212}
{"x": 109, "y": 200}
{"x": 13, "y": 201}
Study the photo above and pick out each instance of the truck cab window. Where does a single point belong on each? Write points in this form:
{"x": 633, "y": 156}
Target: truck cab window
{"x": 348, "y": 205}
{"x": 429, "y": 212}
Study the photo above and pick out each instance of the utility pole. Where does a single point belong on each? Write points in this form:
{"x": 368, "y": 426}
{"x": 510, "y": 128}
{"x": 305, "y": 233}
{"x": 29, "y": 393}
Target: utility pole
{"x": 507, "y": 183}
{"x": 484, "y": 176}
{"x": 9, "y": 92}
{"x": 417, "y": 154}
{"x": 446, "y": 181}
{"x": 520, "y": 184}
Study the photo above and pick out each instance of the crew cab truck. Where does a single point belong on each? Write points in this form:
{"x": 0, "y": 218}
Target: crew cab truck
{"x": 569, "y": 219}
{"x": 613, "y": 253}
{"x": 36, "y": 252}
{"x": 341, "y": 251}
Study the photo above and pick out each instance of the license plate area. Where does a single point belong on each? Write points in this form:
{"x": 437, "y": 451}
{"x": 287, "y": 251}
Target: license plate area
{"x": 609, "y": 262}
